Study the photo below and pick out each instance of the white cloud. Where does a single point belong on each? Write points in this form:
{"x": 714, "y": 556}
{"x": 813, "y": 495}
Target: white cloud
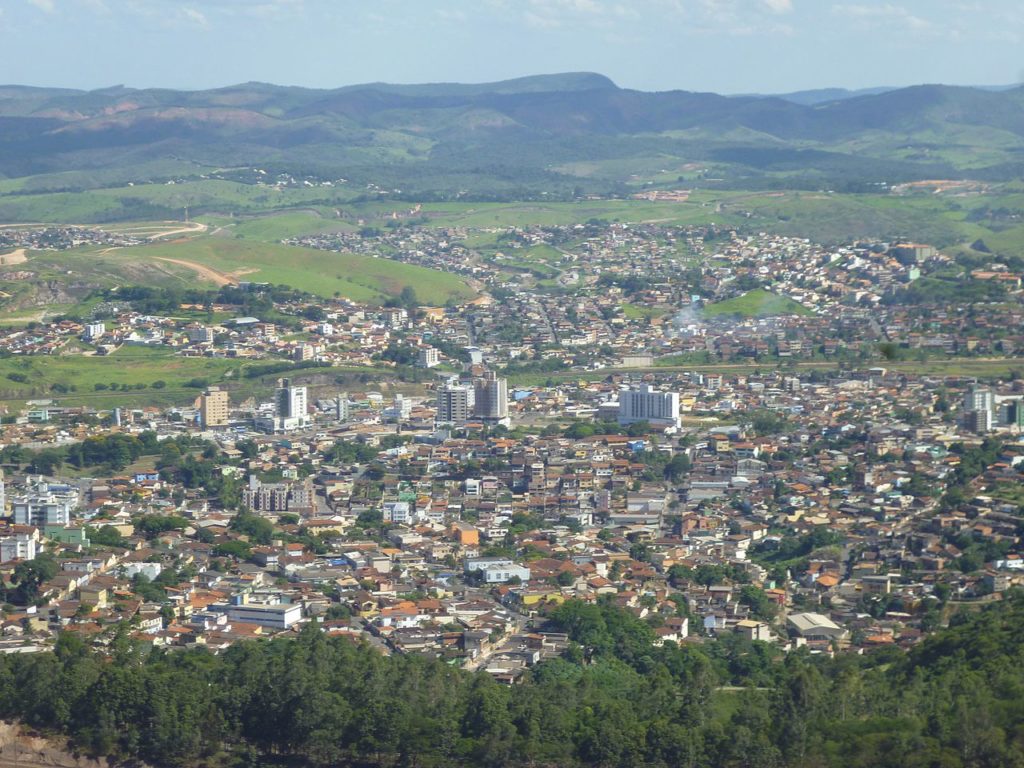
{"x": 778, "y": 6}
{"x": 883, "y": 15}
{"x": 195, "y": 16}
{"x": 46, "y": 6}
{"x": 453, "y": 16}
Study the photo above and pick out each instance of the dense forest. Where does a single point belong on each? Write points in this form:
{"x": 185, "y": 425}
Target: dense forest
{"x": 614, "y": 699}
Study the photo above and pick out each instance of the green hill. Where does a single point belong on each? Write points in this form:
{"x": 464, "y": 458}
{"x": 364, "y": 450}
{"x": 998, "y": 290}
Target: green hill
{"x": 360, "y": 278}
{"x": 756, "y": 303}
{"x": 442, "y": 140}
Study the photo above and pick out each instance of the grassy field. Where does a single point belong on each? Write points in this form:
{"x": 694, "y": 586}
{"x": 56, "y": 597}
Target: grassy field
{"x": 159, "y": 201}
{"x": 637, "y": 312}
{"x": 280, "y": 226}
{"x": 129, "y": 366}
{"x": 134, "y": 370}
{"x": 756, "y": 303}
{"x": 361, "y": 278}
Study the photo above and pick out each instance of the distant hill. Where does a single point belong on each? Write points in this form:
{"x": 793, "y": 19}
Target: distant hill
{"x": 825, "y": 95}
{"x": 513, "y": 136}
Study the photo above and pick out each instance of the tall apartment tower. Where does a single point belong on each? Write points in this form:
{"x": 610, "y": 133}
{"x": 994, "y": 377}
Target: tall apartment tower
{"x": 214, "y": 405}
{"x": 979, "y": 409}
{"x": 491, "y": 398}
{"x": 645, "y": 403}
{"x": 454, "y": 404}
{"x": 344, "y": 409}
{"x": 979, "y": 399}
{"x": 290, "y": 400}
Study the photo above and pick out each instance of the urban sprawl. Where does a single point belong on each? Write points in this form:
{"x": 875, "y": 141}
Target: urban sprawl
{"x": 614, "y": 418}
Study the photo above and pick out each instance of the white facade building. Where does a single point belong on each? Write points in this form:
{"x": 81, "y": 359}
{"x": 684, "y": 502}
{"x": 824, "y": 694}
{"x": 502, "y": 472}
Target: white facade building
{"x": 660, "y": 409}
{"x": 94, "y": 331}
{"x": 428, "y": 357}
{"x": 19, "y": 546}
{"x": 290, "y": 409}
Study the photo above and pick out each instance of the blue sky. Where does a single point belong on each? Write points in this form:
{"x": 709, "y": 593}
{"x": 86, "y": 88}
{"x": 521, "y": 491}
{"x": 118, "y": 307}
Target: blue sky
{"x": 728, "y": 46}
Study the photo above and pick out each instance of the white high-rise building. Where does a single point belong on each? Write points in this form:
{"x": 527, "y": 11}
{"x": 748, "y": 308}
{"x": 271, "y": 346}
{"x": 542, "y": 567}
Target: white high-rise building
{"x": 399, "y": 410}
{"x": 94, "y": 331}
{"x": 454, "y": 404}
{"x": 979, "y": 409}
{"x": 42, "y": 510}
{"x": 19, "y": 546}
{"x": 290, "y": 409}
{"x": 660, "y": 409}
{"x": 491, "y": 398}
{"x": 344, "y": 408}
{"x": 289, "y": 400}
{"x": 979, "y": 399}
{"x": 427, "y": 357}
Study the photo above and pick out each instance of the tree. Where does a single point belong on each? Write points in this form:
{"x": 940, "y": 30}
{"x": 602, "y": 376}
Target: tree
{"x": 761, "y": 606}
{"x": 30, "y": 575}
{"x": 237, "y": 549}
{"x": 106, "y": 536}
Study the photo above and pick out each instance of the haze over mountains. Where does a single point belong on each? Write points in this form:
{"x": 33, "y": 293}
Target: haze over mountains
{"x": 532, "y": 129}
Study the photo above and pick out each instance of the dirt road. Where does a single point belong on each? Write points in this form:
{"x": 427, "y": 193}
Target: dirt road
{"x": 214, "y": 276}
{"x": 14, "y": 257}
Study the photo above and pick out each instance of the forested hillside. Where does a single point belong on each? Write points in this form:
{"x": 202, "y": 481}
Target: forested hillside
{"x": 518, "y": 137}
{"x": 615, "y": 700}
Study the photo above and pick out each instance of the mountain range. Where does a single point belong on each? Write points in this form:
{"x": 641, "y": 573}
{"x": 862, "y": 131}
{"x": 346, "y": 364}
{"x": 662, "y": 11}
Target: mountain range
{"x": 565, "y": 129}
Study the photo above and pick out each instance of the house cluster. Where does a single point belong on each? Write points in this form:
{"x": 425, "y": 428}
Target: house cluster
{"x": 63, "y": 238}
{"x": 837, "y": 511}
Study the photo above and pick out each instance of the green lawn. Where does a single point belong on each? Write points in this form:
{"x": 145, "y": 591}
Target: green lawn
{"x": 757, "y": 303}
{"x": 128, "y": 366}
{"x": 358, "y": 277}
{"x": 131, "y": 366}
{"x": 637, "y": 312}
{"x": 158, "y": 201}
{"x": 283, "y": 225}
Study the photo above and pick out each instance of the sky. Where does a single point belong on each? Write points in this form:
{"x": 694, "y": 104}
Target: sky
{"x": 726, "y": 46}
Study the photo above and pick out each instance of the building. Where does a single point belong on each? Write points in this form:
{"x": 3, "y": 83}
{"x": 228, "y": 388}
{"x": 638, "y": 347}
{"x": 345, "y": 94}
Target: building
{"x": 45, "y": 504}
{"x": 395, "y": 317}
{"x": 1011, "y": 414}
{"x": 94, "y": 331}
{"x": 214, "y": 405}
{"x": 814, "y": 626}
{"x": 19, "y": 545}
{"x": 291, "y": 409}
{"x": 454, "y": 404}
{"x": 399, "y": 513}
{"x": 979, "y": 409}
{"x": 343, "y": 408}
{"x": 304, "y": 352}
{"x": 427, "y": 357}
{"x": 278, "y": 497}
{"x": 497, "y": 570}
{"x": 490, "y": 398}
{"x": 753, "y": 630}
{"x": 199, "y": 334}
{"x": 660, "y": 409}
{"x": 912, "y": 253}
{"x": 290, "y": 400}
{"x": 979, "y": 399}
{"x": 272, "y": 616}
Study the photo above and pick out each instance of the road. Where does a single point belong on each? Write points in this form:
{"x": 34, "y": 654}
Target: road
{"x": 209, "y": 273}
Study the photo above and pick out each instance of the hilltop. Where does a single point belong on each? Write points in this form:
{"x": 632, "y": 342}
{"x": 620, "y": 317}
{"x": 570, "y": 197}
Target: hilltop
{"x": 552, "y": 132}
